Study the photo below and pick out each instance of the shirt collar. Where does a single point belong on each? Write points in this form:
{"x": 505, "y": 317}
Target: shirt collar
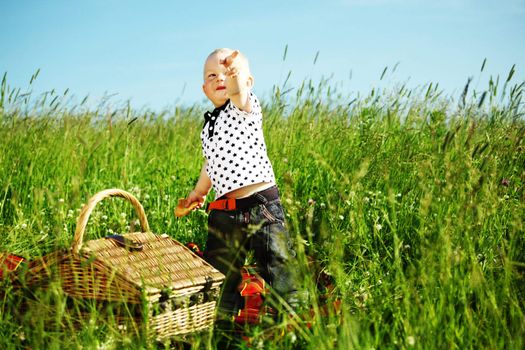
{"x": 211, "y": 117}
{"x": 215, "y": 112}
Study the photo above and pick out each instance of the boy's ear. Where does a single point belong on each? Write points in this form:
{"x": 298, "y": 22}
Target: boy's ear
{"x": 250, "y": 81}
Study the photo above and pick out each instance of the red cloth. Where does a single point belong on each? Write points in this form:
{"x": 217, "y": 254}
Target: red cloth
{"x": 9, "y": 262}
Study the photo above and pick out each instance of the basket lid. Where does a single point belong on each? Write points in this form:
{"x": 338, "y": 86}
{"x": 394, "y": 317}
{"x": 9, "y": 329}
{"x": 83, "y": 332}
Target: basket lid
{"x": 162, "y": 263}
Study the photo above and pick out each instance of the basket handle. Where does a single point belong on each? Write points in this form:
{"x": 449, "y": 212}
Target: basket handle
{"x": 87, "y": 209}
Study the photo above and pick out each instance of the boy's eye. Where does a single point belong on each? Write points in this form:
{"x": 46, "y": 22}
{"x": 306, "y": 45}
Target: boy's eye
{"x": 212, "y": 75}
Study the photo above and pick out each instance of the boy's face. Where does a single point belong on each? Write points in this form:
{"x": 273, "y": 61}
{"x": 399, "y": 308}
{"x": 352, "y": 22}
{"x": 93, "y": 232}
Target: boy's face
{"x": 214, "y": 86}
{"x": 214, "y": 76}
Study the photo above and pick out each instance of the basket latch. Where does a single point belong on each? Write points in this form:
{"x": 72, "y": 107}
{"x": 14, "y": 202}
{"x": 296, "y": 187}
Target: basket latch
{"x": 128, "y": 243}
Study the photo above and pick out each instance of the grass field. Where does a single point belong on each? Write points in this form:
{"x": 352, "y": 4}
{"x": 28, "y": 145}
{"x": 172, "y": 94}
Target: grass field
{"x": 412, "y": 201}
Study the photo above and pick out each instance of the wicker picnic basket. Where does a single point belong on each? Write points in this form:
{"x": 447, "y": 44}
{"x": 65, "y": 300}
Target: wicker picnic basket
{"x": 168, "y": 287}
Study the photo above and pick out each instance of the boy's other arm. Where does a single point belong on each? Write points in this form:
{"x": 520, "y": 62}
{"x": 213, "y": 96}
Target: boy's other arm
{"x": 201, "y": 189}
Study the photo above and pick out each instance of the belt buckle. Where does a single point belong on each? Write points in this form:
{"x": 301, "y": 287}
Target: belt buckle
{"x": 230, "y": 204}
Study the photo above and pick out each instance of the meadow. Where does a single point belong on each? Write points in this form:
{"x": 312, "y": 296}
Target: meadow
{"x": 411, "y": 201}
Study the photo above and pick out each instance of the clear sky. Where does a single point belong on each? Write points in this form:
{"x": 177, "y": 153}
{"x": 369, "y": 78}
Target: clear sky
{"x": 152, "y": 52}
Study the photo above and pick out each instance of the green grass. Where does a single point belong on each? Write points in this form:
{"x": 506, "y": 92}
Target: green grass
{"x": 413, "y": 202}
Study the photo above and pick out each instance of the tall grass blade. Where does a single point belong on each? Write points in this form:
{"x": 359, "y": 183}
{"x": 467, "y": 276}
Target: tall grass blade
{"x": 483, "y": 64}
{"x": 34, "y": 76}
{"x": 482, "y": 99}
{"x": 3, "y": 88}
{"x": 463, "y": 98}
{"x": 316, "y": 57}
{"x": 511, "y": 73}
{"x": 383, "y": 74}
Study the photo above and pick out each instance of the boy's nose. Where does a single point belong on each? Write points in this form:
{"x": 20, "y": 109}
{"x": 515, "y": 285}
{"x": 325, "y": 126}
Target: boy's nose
{"x": 221, "y": 76}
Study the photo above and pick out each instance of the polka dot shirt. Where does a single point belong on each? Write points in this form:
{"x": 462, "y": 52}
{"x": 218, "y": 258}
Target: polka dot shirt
{"x": 233, "y": 144}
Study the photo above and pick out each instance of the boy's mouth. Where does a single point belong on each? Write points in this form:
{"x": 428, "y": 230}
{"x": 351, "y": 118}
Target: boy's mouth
{"x": 221, "y": 88}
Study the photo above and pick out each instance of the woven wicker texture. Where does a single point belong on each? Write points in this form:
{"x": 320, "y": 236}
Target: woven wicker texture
{"x": 195, "y": 318}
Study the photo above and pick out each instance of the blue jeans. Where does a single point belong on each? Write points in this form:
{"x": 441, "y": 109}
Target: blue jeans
{"x": 261, "y": 229}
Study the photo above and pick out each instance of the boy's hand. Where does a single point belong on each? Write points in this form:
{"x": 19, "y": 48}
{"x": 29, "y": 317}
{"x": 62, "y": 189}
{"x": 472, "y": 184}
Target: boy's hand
{"x": 195, "y": 197}
{"x": 233, "y": 70}
{"x": 181, "y": 209}
{"x": 186, "y": 205}
{"x": 228, "y": 62}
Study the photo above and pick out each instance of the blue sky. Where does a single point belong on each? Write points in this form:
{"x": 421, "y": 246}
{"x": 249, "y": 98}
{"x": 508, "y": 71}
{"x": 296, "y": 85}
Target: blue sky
{"x": 152, "y": 52}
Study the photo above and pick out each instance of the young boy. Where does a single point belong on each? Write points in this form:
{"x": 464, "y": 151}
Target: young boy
{"x": 247, "y": 213}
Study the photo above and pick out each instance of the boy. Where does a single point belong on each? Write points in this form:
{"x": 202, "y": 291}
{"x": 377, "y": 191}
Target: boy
{"x": 247, "y": 213}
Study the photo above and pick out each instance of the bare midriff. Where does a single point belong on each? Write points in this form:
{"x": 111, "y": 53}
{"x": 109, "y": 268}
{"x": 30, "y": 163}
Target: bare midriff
{"x": 247, "y": 191}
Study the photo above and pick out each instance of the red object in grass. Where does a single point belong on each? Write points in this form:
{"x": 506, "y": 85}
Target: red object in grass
{"x": 9, "y": 262}
{"x": 195, "y": 248}
{"x": 252, "y": 289}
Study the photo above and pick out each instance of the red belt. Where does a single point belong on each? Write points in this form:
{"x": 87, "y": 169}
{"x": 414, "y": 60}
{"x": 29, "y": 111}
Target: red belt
{"x": 244, "y": 203}
{"x": 223, "y": 204}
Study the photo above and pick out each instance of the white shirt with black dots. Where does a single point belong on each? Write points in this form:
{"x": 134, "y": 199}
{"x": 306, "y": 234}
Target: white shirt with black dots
{"x": 233, "y": 143}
